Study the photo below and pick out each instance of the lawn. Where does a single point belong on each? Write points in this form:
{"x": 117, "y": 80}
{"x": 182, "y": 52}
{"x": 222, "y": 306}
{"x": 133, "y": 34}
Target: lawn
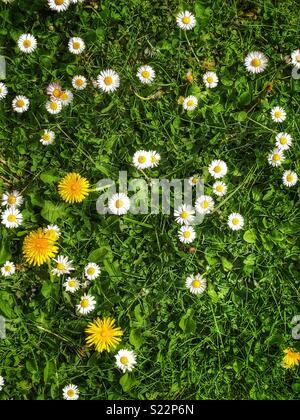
{"x": 225, "y": 343}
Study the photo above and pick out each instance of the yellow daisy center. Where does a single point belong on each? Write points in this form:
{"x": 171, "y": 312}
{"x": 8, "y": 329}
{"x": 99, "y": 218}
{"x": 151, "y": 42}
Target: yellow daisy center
{"x": 277, "y": 114}
{"x": 142, "y": 159}
{"x": 276, "y": 157}
{"x": 12, "y": 218}
{"x": 219, "y": 188}
{"x": 186, "y": 234}
{"x": 20, "y": 103}
{"x": 190, "y": 102}
{"x": 186, "y": 20}
{"x": 85, "y": 303}
{"x": 46, "y": 137}
{"x": 119, "y": 204}
{"x": 146, "y": 74}
{"x": 210, "y": 79}
{"x": 76, "y": 45}
{"x": 53, "y": 106}
{"x": 256, "y": 62}
{"x": 7, "y": 268}
{"x": 27, "y": 43}
{"x": 64, "y": 96}
{"x": 12, "y": 200}
{"x": 72, "y": 283}
{"x": 196, "y": 283}
{"x": 184, "y": 214}
{"x": 194, "y": 180}
{"x": 79, "y": 82}
{"x": 91, "y": 271}
{"x": 70, "y": 392}
{"x": 217, "y": 169}
{"x": 108, "y": 80}
{"x": 298, "y": 58}
{"x": 124, "y": 360}
{"x": 60, "y": 266}
{"x": 205, "y": 204}
{"x": 235, "y": 221}
{"x": 283, "y": 140}
{"x": 56, "y": 93}
{"x": 289, "y": 178}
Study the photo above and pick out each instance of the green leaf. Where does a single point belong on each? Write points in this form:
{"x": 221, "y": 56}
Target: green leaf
{"x": 135, "y": 338}
{"x": 51, "y": 212}
{"x": 49, "y": 177}
{"x": 240, "y": 116}
{"x": 100, "y": 254}
{"x": 244, "y": 99}
{"x": 126, "y": 382}
{"x": 250, "y": 236}
{"x": 227, "y": 265}
{"x": 187, "y": 323}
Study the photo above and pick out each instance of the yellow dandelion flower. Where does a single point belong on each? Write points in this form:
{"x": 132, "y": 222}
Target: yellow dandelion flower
{"x": 291, "y": 358}
{"x": 73, "y": 188}
{"x": 102, "y": 334}
{"x": 39, "y": 247}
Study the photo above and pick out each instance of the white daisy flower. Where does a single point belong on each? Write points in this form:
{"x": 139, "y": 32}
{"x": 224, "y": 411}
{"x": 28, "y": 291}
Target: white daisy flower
{"x": 142, "y": 159}
{"x": 235, "y": 221}
{"x": 204, "y": 204}
{"x": 217, "y": 169}
{"x": 283, "y": 141}
{"x": 76, "y": 1}
{"x": 71, "y": 285}
{"x": 186, "y": 234}
{"x": 47, "y": 137}
{"x": 289, "y": 178}
{"x": 256, "y": 62}
{"x": 186, "y": 20}
{"x": 190, "y": 103}
{"x": 154, "y": 158}
{"x": 13, "y": 199}
{"x": 92, "y": 271}
{"x": 3, "y": 90}
{"x": 70, "y": 392}
{"x": 108, "y": 80}
{"x": 146, "y": 74}
{"x": 54, "y": 107}
{"x": 2, "y": 382}
{"x": 59, "y": 5}
{"x": 184, "y": 214}
{"x": 278, "y": 114}
{"x": 79, "y": 82}
{"x": 54, "y": 231}
{"x": 63, "y": 266}
{"x": 295, "y": 56}
{"x": 54, "y": 90}
{"x": 8, "y": 269}
{"x": 219, "y": 188}
{"x": 87, "y": 304}
{"x": 11, "y": 218}
{"x": 119, "y": 204}
{"x": 276, "y": 157}
{"x": 194, "y": 180}
{"x": 27, "y": 43}
{"x": 125, "y": 360}
{"x": 66, "y": 97}
{"x": 210, "y": 79}
{"x": 196, "y": 284}
{"x": 76, "y": 45}
{"x": 20, "y": 104}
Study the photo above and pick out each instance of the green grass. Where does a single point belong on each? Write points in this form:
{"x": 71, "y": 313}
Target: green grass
{"x": 225, "y": 344}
